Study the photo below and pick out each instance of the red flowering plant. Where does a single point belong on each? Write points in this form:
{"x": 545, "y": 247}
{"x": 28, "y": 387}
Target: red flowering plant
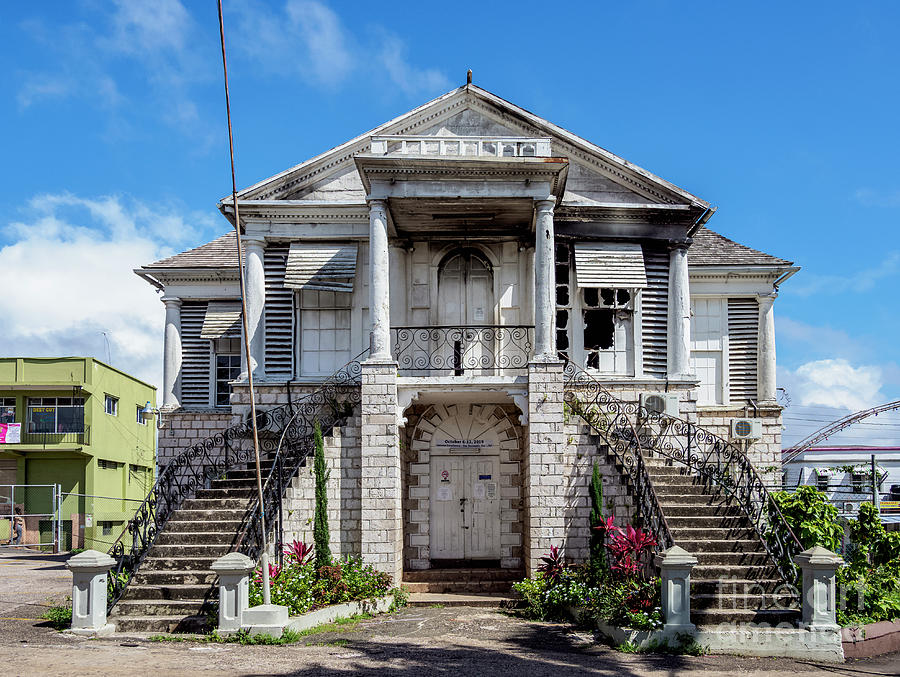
{"x": 298, "y": 553}
{"x": 630, "y": 549}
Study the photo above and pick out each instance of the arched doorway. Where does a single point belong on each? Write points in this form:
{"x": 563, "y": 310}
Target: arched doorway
{"x": 465, "y": 289}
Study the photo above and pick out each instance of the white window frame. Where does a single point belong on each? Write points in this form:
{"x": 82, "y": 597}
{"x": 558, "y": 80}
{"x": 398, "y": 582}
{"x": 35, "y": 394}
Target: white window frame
{"x": 298, "y": 323}
{"x": 234, "y": 350}
{"x": 634, "y": 365}
{"x": 724, "y": 393}
{"x": 111, "y": 400}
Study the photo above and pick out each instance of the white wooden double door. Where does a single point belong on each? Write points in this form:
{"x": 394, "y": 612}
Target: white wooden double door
{"x": 465, "y": 507}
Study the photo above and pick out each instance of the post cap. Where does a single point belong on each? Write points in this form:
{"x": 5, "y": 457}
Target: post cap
{"x": 819, "y": 556}
{"x": 233, "y": 562}
{"x": 90, "y": 559}
{"x": 674, "y": 556}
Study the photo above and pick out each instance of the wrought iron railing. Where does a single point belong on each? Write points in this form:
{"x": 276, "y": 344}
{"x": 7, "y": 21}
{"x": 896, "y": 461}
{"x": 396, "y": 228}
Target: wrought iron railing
{"x": 717, "y": 461}
{"x": 600, "y": 411}
{"x": 457, "y": 351}
{"x": 54, "y": 438}
{"x": 329, "y": 405}
{"x": 195, "y": 468}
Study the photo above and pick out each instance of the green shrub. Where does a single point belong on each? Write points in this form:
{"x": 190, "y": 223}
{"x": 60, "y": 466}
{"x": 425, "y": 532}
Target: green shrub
{"x": 60, "y": 617}
{"x": 321, "y": 536}
{"x": 598, "y": 562}
{"x": 811, "y": 517}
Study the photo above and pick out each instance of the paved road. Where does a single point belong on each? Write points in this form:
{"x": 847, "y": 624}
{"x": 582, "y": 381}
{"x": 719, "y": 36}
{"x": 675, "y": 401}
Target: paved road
{"x": 429, "y": 642}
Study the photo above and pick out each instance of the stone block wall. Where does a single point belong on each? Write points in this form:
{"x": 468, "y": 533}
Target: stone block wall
{"x": 381, "y": 508}
{"x": 765, "y": 453}
{"x": 183, "y": 428}
{"x": 343, "y": 458}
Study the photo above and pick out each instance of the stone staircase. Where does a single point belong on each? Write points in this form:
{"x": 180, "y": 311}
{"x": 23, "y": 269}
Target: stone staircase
{"x": 173, "y": 590}
{"x": 735, "y": 579}
{"x": 462, "y": 587}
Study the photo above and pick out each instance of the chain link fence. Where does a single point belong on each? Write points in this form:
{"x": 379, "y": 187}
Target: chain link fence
{"x": 44, "y": 518}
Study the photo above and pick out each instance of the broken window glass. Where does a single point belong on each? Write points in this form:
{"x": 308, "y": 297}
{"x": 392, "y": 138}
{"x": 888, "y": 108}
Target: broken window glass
{"x": 607, "y": 325}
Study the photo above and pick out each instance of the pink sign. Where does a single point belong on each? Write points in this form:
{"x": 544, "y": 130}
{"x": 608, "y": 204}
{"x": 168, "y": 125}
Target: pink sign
{"x": 10, "y": 433}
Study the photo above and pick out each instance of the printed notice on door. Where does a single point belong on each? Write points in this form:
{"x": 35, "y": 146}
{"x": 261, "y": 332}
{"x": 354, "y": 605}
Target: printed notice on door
{"x": 445, "y": 493}
{"x": 479, "y": 491}
{"x": 491, "y": 490}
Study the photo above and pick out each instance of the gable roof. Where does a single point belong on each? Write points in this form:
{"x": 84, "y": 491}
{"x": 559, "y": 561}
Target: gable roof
{"x": 220, "y": 253}
{"x": 711, "y": 249}
{"x": 290, "y": 181}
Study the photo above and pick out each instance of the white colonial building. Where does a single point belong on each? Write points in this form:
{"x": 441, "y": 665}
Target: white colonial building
{"x": 470, "y": 250}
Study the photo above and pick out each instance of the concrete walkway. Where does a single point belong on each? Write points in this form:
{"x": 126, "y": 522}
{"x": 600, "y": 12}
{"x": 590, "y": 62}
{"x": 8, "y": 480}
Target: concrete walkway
{"x": 30, "y": 582}
{"x": 416, "y": 642}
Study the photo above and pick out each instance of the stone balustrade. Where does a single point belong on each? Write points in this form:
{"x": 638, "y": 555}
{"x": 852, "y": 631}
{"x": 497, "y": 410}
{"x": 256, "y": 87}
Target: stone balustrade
{"x": 461, "y": 146}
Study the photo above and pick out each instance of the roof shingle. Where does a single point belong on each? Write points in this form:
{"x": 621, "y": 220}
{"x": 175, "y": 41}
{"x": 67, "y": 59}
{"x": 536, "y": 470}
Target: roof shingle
{"x": 709, "y": 249}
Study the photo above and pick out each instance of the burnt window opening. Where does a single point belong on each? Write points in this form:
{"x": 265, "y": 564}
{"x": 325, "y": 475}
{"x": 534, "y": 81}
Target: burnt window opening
{"x": 562, "y": 295}
{"x": 607, "y": 316}
{"x": 562, "y": 254}
{"x": 563, "y": 269}
{"x": 562, "y": 319}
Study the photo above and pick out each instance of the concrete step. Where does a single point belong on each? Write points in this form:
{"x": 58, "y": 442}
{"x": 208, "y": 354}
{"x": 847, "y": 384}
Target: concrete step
{"x": 688, "y": 534}
{"x": 732, "y": 558}
{"x": 159, "y": 623}
{"x": 697, "y": 510}
{"x": 737, "y": 586}
{"x": 460, "y": 587}
{"x": 216, "y": 504}
{"x": 180, "y": 526}
{"x": 126, "y": 608}
{"x": 223, "y": 537}
{"x": 228, "y": 492}
{"x": 706, "y": 521}
{"x": 201, "y": 550}
{"x": 690, "y": 499}
{"x": 154, "y": 563}
{"x": 235, "y": 482}
{"x": 708, "y": 617}
{"x": 681, "y": 490}
{"x": 743, "y": 602}
{"x": 710, "y": 545}
{"x": 163, "y": 577}
{"x": 462, "y": 575}
{"x": 420, "y": 599}
{"x": 732, "y": 571}
{"x": 209, "y": 516}
{"x": 168, "y": 592}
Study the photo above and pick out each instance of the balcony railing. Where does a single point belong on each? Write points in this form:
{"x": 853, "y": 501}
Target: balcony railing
{"x": 53, "y": 439}
{"x": 461, "y": 146}
{"x": 462, "y": 351}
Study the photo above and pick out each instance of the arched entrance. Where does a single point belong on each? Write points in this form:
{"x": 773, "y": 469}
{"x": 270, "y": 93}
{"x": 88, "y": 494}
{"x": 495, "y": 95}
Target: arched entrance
{"x": 465, "y": 289}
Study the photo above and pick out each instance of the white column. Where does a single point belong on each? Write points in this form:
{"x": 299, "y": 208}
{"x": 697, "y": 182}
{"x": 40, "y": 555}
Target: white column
{"x": 234, "y": 571}
{"x": 544, "y": 283}
{"x": 172, "y": 353}
{"x": 675, "y": 566}
{"x": 379, "y": 283}
{"x": 255, "y": 288}
{"x": 765, "y": 356}
{"x": 679, "y": 343}
{"x": 818, "y": 567}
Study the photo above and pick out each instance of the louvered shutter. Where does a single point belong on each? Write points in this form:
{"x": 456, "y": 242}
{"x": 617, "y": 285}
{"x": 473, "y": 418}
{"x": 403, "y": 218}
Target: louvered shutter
{"x": 743, "y": 325}
{"x": 654, "y": 310}
{"x": 279, "y": 314}
{"x": 195, "y": 366}
{"x": 321, "y": 267}
{"x": 222, "y": 320}
{"x": 616, "y": 265}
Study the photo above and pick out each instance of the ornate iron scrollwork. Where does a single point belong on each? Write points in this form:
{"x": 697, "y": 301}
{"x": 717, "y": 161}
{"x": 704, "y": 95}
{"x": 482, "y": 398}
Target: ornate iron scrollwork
{"x": 441, "y": 350}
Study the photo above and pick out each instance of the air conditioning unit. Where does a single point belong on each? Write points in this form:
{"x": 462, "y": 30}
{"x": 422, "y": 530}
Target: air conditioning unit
{"x": 660, "y": 403}
{"x": 746, "y": 428}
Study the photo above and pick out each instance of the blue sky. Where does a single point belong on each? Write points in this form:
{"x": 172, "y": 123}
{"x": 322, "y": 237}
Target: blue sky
{"x": 782, "y": 114}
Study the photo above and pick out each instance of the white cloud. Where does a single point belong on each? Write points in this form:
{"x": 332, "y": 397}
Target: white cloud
{"x": 835, "y": 383}
{"x": 869, "y": 197}
{"x": 308, "y": 39}
{"x": 862, "y": 280}
{"x": 67, "y": 272}
{"x": 407, "y": 77}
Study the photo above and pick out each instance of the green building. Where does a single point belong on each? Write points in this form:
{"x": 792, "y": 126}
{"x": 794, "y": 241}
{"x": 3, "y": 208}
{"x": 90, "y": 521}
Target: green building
{"x": 74, "y": 422}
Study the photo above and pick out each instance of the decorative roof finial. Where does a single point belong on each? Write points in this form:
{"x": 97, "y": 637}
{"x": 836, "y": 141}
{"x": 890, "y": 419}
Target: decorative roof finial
{"x": 469, "y": 77}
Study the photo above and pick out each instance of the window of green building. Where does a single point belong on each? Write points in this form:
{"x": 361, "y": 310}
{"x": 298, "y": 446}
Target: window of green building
{"x": 7, "y": 409}
{"x": 55, "y": 415}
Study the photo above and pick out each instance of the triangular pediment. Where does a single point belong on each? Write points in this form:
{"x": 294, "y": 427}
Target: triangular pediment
{"x": 595, "y": 176}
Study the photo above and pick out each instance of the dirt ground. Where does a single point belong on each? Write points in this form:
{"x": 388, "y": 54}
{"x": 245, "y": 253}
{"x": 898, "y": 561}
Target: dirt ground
{"x": 420, "y": 642}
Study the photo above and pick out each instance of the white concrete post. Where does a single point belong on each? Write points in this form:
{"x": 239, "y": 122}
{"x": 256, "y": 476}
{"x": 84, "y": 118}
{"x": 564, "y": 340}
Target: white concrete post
{"x": 89, "y": 569}
{"x": 679, "y": 325}
{"x": 544, "y": 283}
{"x": 818, "y": 566}
{"x": 675, "y": 566}
{"x": 172, "y": 353}
{"x": 766, "y": 349}
{"x": 233, "y": 571}
{"x": 255, "y": 285}
{"x": 379, "y": 283}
